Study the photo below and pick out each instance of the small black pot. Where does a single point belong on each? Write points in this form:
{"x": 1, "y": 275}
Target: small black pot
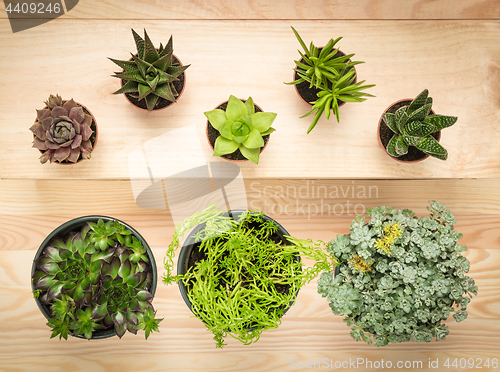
{"x": 191, "y": 243}
{"x": 74, "y": 225}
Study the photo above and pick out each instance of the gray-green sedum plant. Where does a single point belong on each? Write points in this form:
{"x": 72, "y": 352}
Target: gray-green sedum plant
{"x": 413, "y": 125}
{"x": 151, "y": 73}
{"x": 247, "y": 274}
{"x": 401, "y": 276}
{"x": 94, "y": 279}
{"x": 240, "y": 128}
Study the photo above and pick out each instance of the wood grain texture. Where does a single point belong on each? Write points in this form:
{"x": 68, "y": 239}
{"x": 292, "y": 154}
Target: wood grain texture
{"x": 456, "y": 61}
{"x": 31, "y": 209}
{"x": 283, "y": 9}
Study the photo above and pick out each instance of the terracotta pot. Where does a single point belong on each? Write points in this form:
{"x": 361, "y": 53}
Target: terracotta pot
{"x": 414, "y": 151}
{"x": 93, "y": 137}
{"x": 237, "y": 153}
{"x": 303, "y": 88}
{"x": 164, "y": 103}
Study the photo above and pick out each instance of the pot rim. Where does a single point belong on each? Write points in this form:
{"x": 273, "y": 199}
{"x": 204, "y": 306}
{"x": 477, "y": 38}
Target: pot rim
{"x": 71, "y": 225}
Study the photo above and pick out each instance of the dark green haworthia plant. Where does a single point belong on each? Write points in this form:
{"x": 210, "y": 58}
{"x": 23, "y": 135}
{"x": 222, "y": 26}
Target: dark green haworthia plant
{"x": 151, "y": 73}
{"x": 413, "y": 125}
{"x": 95, "y": 279}
{"x": 62, "y": 131}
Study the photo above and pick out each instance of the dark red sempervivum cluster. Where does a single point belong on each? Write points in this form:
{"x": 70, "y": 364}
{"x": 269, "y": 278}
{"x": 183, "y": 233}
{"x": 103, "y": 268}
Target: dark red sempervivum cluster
{"x": 62, "y": 131}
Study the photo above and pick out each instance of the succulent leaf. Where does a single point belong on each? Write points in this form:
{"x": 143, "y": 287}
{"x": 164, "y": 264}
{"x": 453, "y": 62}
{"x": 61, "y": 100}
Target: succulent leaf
{"x": 440, "y": 121}
{"x": 419, "y": 101}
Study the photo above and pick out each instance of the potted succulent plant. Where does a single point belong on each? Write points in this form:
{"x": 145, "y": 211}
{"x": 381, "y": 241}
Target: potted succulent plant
{"x": 325, "y": 78}
{"x": 239, "y": 271}
{"x": 153, "y": 78}
{"x": 409, "y": 130}
{"x": 94, "y": 277}
{"x": 400, "y": 276}
{"x": 64, "y": 132}
{"x": 239, "y": 130}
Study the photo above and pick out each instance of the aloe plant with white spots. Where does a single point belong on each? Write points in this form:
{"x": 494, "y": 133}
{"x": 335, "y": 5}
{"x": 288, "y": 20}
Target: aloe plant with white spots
{"x": 413, "y": 125}
{"x": 240, "y": 128}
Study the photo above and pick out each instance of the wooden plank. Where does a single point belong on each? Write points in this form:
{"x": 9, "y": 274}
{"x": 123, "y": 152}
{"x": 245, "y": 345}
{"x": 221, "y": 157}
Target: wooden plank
{"x": 30, "y": 209}
{"x": 254, "y": 58}
{"x": 283, "y": 9}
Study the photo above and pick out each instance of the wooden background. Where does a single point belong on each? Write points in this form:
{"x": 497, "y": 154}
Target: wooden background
{"x": 246, "y": 48}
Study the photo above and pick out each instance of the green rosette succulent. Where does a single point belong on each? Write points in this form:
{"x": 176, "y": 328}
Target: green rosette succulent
{"x": 90, "y": 288}
{"x": 413, "y": 125}
{"x": 62, "y": 131}
{"x": 240, "y": 128}
{"x": 151, "y": 72}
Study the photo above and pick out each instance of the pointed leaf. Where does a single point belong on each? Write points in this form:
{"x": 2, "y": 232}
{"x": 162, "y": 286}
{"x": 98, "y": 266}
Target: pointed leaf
{"x": 390, "y": 121}
{"x": 235, "y": 109}
{"x": 166, "y": 91}
{"x": 45, "y": 282}
{"x": 124, "y": 270}
{"x": 262, "y": 121}
{"x": 225, "y": 130}
{"x": 114, "y": 267}
{"x": 419, "y": 129}
{"x": 100, "y": 311}
{"x": 151, "y": 101}
{"x": 401, "y": 147}
{"x": 419, "y": 114}
{"x": 150, "y": 52}
{"x": 129, "y": 87}
{"x": 254, "y": 140}
{"x": 440, "y": 121}
{"x": 224, "y": 146}
{"x": 216, "y": 117}
{"x": 250, "y": 106}
{"x": 391, "y": 146}
{"x": 139, "y": 43}
{"x": 126, "y": 65}
{"x": 418, "y": 102}
{"x": 250, "y": 154}
{"x": 144, "y": 296}
{"x": 430, "y": 146}
{"x": 163, "y": 62}
{"x": 144, "y": 90}
{"x": 120, "y": 324}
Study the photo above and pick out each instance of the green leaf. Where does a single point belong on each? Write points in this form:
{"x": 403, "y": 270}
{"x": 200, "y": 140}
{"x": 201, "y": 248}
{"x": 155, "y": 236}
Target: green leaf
{"x": 126, "y": 65}
{"x": 401, "y": 147}
{"x": 53, "y": 253}
{"x": 390, "y": 121}
{"x": 139, "y": 43}
{"x": 250, "y": 154}
{"x": 419, "y": 129}
{"x": 418, "y": 102}
{"x": 134, "y": 76}
{"x": 100, "y": 311}
{"x": 165, "y": 91}
{"x": 269, "y": 131}
{"x": 144, "y": 296}
{"x": 150, "y": 52}
{"x": 224, "y": 146}
{"x": 124, "y": 270}
{"x": 225, "y": 130}
{"x": 54, "y": 291}
{"x": 420, "y": 113}
{"x": 78, "y": 295}
{"x": 114, "y": 267}
{"x": 216, "y": 117}
{"x": 440, "y": 121}
{"x": 250, "y": 106}
{"x": 401, "y": 118}
{"x": 163, "y": 62}
{"x": 262, "y": 121}
{"x": 254, "y": 140}
{"x": 235, "y": 109}
{"x": 144, "y": 90}
{"x": 431, "y": 147}
{"x": 301, "y": 42}
{"x": 391, "y": 146}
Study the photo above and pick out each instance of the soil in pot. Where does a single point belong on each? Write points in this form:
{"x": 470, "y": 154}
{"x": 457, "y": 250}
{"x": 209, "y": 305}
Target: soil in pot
{"x": 213, "y": 133}
{"x": 311, "y": 94}
{"x": 385, "y": 134}
{"x": 162, "y": 102}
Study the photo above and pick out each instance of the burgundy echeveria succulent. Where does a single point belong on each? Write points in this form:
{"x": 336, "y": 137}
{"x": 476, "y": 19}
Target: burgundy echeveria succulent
{"x": 62, "y": 131}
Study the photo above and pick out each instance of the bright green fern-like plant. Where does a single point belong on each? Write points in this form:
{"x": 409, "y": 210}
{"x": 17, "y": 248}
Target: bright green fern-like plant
{"x": 151, "y": 72}
{"x": 96, "y": 279}
{"x": 247, "y": 272}
{"x": 413, "y": 125}
{"x": 400, "y": 276}
{"x": 240, "y": 128}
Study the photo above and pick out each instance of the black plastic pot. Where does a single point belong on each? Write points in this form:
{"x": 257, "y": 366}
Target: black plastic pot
{"x": 190, "y": 243}
{"x": 74, "y": 225}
